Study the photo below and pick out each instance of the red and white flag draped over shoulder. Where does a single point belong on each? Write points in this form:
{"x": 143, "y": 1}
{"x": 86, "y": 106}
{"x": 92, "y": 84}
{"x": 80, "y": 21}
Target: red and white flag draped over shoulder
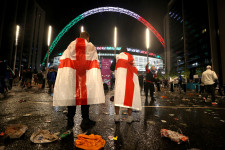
{"x": 127, "y": 89}
{"x": 79, "y": 80}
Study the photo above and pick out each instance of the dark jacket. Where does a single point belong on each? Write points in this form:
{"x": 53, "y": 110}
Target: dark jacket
{"x": 150, "y": 77}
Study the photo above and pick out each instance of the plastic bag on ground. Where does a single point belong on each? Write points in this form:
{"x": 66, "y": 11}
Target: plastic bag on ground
{"x": 44, "y": 136}
{"x": 174, "y": 136}
{"x": 16, "y": 130}
{"x": 88, "y": 142}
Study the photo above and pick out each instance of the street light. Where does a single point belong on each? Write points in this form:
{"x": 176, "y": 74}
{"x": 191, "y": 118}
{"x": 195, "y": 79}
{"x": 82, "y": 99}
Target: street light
{"x": 16, "y": 43}
{"x": 115, "y": 40}
{"x": 147, "y": 41}
{"x": 82, "y": 29}
{"x": 48, "y": 42}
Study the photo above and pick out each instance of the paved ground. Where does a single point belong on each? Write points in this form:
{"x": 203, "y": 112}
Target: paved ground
{"x": 202, "y": 123}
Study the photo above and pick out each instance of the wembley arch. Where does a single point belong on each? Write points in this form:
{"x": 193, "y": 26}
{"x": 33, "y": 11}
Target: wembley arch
{"x": 100, "y": 10}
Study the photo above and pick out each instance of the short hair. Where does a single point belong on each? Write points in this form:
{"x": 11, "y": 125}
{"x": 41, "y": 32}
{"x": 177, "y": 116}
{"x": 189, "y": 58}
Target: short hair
{"x": 84, "y": 35}
{"x": 208, "y": 67}
{"x": 123, "y": 49}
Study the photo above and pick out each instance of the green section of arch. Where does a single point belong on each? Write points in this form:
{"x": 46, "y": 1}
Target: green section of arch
{"x": 68, "y": 26}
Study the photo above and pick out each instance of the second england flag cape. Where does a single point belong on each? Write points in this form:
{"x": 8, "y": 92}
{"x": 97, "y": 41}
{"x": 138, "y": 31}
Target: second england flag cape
{"x": 79, "y": 80}
{"x": 127, "y": 89}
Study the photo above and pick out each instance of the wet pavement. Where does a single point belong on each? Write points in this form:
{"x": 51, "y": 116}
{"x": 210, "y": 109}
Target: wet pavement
{"x": 186, "y": 113}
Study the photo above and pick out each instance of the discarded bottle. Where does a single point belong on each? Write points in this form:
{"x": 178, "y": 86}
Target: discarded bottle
{"x": 65, "y": 134}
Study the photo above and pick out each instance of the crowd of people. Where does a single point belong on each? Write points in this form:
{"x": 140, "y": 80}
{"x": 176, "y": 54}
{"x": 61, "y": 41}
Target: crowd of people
{"x": 7, "y": 77}
{"x": 79, "y": 81}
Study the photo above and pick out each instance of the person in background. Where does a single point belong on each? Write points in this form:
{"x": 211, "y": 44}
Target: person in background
{"x": 150, "y": 79}
{"x": 208, "y": 78}
{"x": 127, "y": 94}
{"x": 40, "y": 80}
{"x": 28, "y": 78}
{"x": 8, "y": 76}
{"x": 51, "y": 79}
{"x": 141, "y": 81}
{"x": 23, "y": 78}
{"x": 2, "y": 77}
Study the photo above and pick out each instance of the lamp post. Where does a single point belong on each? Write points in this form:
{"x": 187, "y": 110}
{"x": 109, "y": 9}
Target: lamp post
{"x": 48, "y": 43}
{"x": 147, "y": 41}
{"x": 82, "y": 29}
{"x": 115, "y": 40}
{"x": 16, "y": 44}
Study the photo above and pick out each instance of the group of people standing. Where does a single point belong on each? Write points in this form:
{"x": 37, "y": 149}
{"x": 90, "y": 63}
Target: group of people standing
{"x": 79, "y": 82}
{"x": 6, "y": 78}
{"x": 39, "y": 79}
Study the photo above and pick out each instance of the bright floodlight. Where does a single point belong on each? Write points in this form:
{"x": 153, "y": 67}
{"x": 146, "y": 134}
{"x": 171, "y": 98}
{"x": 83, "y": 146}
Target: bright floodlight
{"x": 17, "y": 33}
{"x": 115, "y": 37}
{"x": 49, "y": 34}
{"x": 82, "y": 29}
{"x": 147, "y": 38}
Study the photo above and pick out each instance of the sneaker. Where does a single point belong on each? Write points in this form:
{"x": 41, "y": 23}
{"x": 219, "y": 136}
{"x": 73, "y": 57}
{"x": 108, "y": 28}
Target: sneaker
{"x": 214, "y": 103}
{"x": 129, "y": 119}
{"x": 117, "y": 118}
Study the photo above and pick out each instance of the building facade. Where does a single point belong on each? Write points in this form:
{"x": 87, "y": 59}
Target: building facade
{"x": 31, "y": 19}
{"x": 188, "y": 28}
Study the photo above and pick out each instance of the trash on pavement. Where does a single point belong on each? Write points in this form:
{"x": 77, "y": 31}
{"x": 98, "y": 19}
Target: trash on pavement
{"x": 65, "y": 134}
{"x": 174, "y": 136}
{"x": 151, "y": 122}
{"x": 112, "y": 98}
{"x": 44, "y": 136}
{"x": 2, "y": 134}
{"x": 89, "y": 142}
{"x": 164, "y": 121}
{"x": 26, "y": 115}
{"x": 183, "y": 124}
{"x": 16, "y": 130}
{"x": 21, "y": 101}
{"x": 47, "y": 121}
{"x": 115, "y": 138}
{"x": 65, "y": 111}
{"x": 171, "y": 115}
{"x": 176, "y": 119}
{"x": 124, "y": 113}
{"x": 110, "y": 138}
{"x": 163, "y": 97}
{"x": 208, "y": 110}
{"x": 222, "y": 120}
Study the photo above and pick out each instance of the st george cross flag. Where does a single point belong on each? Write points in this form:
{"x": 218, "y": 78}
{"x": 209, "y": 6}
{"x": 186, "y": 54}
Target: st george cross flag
{"x": 127, "y": 89}
{"x": 79, "y": 80}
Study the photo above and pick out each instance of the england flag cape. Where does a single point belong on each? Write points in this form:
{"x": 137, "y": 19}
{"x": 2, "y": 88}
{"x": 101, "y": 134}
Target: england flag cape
{"x": 79, "y": 80}
{"x": 127, "y": 89}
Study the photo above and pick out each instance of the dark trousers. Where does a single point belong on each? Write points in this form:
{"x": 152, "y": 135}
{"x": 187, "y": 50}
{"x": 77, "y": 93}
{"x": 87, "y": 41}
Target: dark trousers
{"x": 149, "y": 86}
{"x": 51, "y": 86}
{"x": 158, "y": 86}
{"x": 202, "y": 88}
{"x": 72, "y": 111}
{"x": 210, "y": 89}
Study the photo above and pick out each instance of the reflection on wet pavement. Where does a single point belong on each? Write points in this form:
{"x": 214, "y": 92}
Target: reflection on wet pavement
{"x": 186, "y": 113}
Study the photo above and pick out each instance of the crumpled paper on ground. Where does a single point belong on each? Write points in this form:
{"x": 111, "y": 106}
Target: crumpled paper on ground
{"x": 16, "y": 130}
{"x": 174, "y": 136}
{"x": 44, "y": 136}
{"x": 89, "y": 142}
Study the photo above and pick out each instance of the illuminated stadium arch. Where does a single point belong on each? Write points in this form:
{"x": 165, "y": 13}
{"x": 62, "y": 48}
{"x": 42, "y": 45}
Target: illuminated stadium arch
{"x": 100, "y": 10}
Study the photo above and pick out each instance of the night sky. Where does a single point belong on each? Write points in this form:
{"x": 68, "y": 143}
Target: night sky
{"x": 131, "y": 33}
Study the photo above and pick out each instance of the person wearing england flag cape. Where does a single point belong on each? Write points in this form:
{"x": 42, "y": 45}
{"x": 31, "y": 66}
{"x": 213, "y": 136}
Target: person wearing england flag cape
{"x": 127, "y": 89}
{"x": 79, "y": 80}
